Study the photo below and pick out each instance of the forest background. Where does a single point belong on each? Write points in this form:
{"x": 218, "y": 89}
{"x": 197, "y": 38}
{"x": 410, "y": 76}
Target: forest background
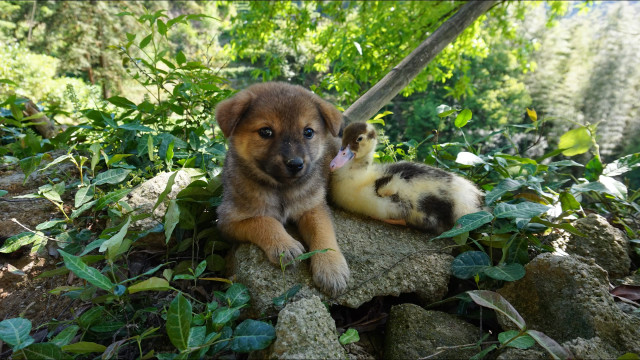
{"x": 133, "y": 85}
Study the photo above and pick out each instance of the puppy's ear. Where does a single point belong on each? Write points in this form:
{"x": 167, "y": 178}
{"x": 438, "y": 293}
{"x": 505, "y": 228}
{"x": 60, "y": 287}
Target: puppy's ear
{"x": 331, "y": 116}
{"x": 230, "y": 111}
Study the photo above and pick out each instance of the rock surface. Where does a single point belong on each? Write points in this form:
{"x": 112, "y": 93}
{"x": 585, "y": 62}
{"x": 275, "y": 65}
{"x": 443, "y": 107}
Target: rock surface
{"x": 384, "y": 260}
{"x": 305, "y": 330}
{"x": 414, "y": 333}
{"x": 605, "y": 244}
{"x": 567, "y": 297}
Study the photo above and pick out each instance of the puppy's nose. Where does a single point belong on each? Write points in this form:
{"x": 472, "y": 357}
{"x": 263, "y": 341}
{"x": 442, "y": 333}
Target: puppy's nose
{"x": 294, "y": 165}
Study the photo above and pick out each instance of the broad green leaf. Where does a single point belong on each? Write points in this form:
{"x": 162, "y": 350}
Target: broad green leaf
{"x": 107, "y": 327}
{"x": 200, "y": 268}
{"x": 564, "y": 163}
{"x": 84, "y": 195}
{"x": 463, "y": 118}
{"x": 556, "y": 350}
{"x": 151, "y": 284}
{"x": 91, "y": 317}
{"x": 95, "y": 154}
{"x": 57, "y": 160}
{"x": 166, "y": 191}
{"x": 467, "y": 223}
{"x": 224, "y": 315}
{"x": 3, "y": 192}
{"x": 65, "y": 336}
{"x": 150, "y": 147}
{"x": 349, "y": 336}
{"x": 113, "y": 243}
{"x": 622, "y": 165}
{"x": 502, "y": 188}
{"x": 122, "y": 102}
{"x": 469, "y": 264}
{"x": 443, "y": 108}
{"x": 17, "y": 241}
{"x": 29, "y": 165}
{"x": 49, "y": 224}
{"x": 117, "y": 157}
{"x": 215, "y": 262}
{"x": 237, "y": 295}
{"x": 467, "y": 158}
{"x": 593, "y": 169}
{"x": 282, "y": 299}
{"x": 77, "y": 212}
{"x": 52, "y": 195}
{"x": 565, "y": 226}
{"x": 15, "y": 332}
{"x": 83, "y": 271}
{"x": 252, "y": 335}
{"x": 162, "y": 27}
{"x": 144, "y": 42}
{"x": 523, "y": 210}
{"x": 309, "y": 254}
{"x": 113, "y": 176}
{"x": 576, "y": 141}
{"x": 568, "y": 201}
{"x": 179, "y": 322}
{"x": 508, "y": 272}
{"x": 512, "y": 339}
{"x": 614, "y": 187}
{"x": 111, "y": 197}
{"x": 171, "y": 218}
{"x": 496, "y": 302}
{"x": 180, "y": 58}
{"x": 134, "y": 127}
{"x": 481, "y": 355}
{"x": 84, "y": 347}
{"x": 197, "y": 335}
{"x": 44, "y": 351}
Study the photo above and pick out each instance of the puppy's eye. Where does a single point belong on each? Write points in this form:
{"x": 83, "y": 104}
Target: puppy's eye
{"x": 359, "y": 138}
{"x": 265, "y": 132}
{"x": 308, "y": 133}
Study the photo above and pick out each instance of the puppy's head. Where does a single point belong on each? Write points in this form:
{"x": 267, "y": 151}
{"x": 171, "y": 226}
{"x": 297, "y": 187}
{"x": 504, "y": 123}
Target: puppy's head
{"x": 278, "y": 131}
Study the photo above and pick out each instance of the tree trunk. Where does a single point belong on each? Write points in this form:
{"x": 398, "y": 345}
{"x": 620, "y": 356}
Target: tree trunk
{"x": 399, "y": 77}
{"x": 46, "y": 127}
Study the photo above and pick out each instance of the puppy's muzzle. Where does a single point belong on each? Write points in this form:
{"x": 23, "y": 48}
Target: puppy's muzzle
{"x": 294, "y": 165}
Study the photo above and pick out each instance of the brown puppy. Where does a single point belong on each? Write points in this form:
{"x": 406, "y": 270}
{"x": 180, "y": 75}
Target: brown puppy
{"x": 281, "y": 139}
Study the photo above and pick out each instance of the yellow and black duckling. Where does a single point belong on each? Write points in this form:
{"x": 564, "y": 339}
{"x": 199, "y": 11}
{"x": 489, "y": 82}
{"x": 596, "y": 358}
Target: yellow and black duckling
{"x": 404, "y": 192}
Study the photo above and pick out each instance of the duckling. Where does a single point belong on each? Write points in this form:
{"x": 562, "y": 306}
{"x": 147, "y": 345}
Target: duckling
{"x": 405, "y": 193}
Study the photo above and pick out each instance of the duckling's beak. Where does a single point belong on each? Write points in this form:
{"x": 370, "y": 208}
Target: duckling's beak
{"x": 342, "y": 158}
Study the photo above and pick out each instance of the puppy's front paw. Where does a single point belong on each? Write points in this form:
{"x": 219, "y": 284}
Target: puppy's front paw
{"x": 290, "y": 247}
{"x": 330, "y": 272}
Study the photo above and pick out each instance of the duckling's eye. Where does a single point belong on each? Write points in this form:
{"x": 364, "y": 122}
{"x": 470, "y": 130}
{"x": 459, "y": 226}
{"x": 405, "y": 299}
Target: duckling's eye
{"x": 265, "y": 132}
{"x": 308, "y": 133}
{"x": 359, "y": 138}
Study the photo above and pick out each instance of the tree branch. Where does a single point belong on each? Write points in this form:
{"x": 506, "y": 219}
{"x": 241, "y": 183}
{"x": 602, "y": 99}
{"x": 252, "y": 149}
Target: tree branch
{"x": 399, "y": 77}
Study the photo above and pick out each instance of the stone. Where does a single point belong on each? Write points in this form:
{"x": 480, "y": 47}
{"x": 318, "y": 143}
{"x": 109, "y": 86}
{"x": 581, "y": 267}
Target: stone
{"x": 384, "y": 260}
{"x": 604, "y": 243}
{"x": 413, "y": 332}
{"x": 521, "y": 354}
{"x": 305, "y": 330}
{"x": 567, "y": 297}
{"x": 143, "y": 198}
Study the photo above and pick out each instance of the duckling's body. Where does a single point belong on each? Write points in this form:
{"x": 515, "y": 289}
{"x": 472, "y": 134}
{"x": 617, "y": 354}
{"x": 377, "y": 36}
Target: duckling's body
{"x": 424, "y": 197}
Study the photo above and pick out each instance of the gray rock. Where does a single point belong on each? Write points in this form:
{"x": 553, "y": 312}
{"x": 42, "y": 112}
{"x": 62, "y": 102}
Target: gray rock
{"x": 567, "y": 297}
{"x": 593, "y": 348}
{"x": 384, "y": 260}
{"x": 414, "y": 333}
{"x": 520, "y": 354}
{"x": 605, "y": 244}
{"x": 144, "y": 197}
{"x": 305, "y": 330}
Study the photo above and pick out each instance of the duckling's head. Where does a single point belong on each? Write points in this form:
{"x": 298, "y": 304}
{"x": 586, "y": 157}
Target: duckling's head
{"x": 358, "y": 143}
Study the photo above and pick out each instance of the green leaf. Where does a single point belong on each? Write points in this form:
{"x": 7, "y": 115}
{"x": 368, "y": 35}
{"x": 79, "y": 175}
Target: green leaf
{"x": 29, "y": 165}
{"x": 309, "y": 254}
{"x": 135, "y": 127}
{"x": 111, "y": 197}
{"x": 113, "y": 244}
{"x": 513, "y": 339}
{"x": 222, "y": 316}
{"x": 44, "y": 351}
{"x": 144, "y": 42}
{"x": 556, "y": 350}
{"x": 90, "y": 317}
{"x": 568, "y": 201}
{"x": 508, "y": 272}
{"x": 469, "y": 264}
{"x": 3, "y": 192}
{"x": 593, "y": 169}
{"x": 84, "y": 347}
{"x": 84, "y": 195}
{"x": 122, "y": 102}
{"x": 349, "y": 336}
{"x": 58, "y": 160}
{"x": 95, "y": 154}
{"x": 496, "y": 302}
{"x": 151, "y": 284}
{"x": 467, "y": 223}
{"x": 171, "y": 218}
{"x": 622, "y": 165}
{"x": 15, "y": 332}
{"x": 282, "y": 299}
{"x": 502, "y": 188}
{"x": 463, "y": 118}
{"x": 179, "y": 322}
{"x": 180, "y": 58}
{"x": 77, "y": 212}
{"x": 162, "y": 27}
{"x": 523, "y": 210}
{"x": 65, "y": 336}
{"x": 113, "y": 176}
{"x": 117, "y": 157}
{"x": 166, "y": 191}
{"x": 575, "y": 142}
{"x": 107, "y": 327}
{"x": 237, "y": 295}
{"x": 614, "y": 187}
{"x": 252, "y": 335}
{"x": 83, "y": 271}
{"x": 150, "y": 148}
{"x": 17, "y": 241}
{"x": 49, "y": 224}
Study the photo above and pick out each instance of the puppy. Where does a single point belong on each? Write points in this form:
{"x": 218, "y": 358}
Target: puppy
{"x": 281, "y": 139}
